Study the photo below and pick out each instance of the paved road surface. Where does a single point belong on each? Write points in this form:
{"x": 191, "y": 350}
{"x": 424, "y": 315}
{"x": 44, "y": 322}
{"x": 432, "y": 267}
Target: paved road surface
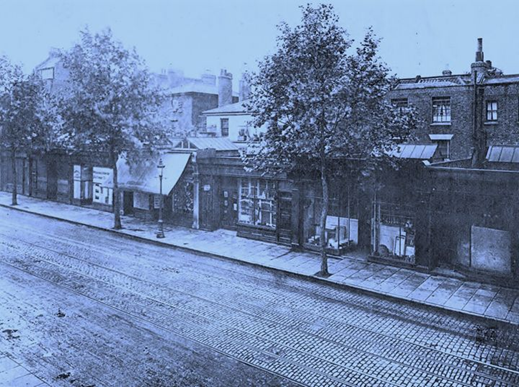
{"x": 81, "y": 307}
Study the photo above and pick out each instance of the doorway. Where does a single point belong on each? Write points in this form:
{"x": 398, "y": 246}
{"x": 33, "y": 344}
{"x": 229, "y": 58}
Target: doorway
{"x": 128, "y": 203}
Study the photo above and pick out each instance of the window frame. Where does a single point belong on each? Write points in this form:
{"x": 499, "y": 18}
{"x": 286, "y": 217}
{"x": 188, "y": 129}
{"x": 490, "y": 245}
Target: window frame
{"x": 491, "y": 111}
{"x": 400, "y": 103}
{"x": 448, "y": 143}
{"x": 226, "y": 132}
{"x": 441, "y": 110}
{"x": 257, "y": 201}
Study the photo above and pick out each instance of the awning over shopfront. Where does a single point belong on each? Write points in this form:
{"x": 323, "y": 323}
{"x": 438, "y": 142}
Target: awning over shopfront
{"x": 144, "y": 176}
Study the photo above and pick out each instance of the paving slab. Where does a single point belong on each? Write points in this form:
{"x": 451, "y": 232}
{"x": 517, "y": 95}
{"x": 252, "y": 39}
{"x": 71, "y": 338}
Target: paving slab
{"x": 480, "y": 301}
{"x": 9, "y": 375}
{"x": 392, "y": 282}
{"x": 26, "y": 381}
{"x": 6, "y": 364}
{"x": 409, "y": 285}
{"x": 444, "y": 291}
{"x": 462, "y": 296}
{"x": 422, "y": 292}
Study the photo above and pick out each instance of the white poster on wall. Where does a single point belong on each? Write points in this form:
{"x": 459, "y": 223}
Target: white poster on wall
{"x": 102, "y": 194}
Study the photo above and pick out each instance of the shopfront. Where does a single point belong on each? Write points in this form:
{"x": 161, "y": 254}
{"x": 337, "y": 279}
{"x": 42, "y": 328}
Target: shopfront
{"x": 393, "y": 231}
{"x": 342, "y": 222}
{"x": 257, "y": 208}
{"x": 141, "y": 187}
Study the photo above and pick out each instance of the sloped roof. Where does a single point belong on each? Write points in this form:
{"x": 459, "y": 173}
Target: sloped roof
{"x": 439, "y": 81}
{"x": 503, "y": 154}
{"x": 415, "y": 151}
{"x": 217, "y": 143}
{"x": 233, "y": 108}
{"x": 144, "y": 176}
{"x": 51, "y": 61}
{"x": 503, "y": 79}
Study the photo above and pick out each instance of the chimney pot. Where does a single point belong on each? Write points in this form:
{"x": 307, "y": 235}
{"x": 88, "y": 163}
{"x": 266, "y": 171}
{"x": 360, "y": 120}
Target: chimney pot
{"x": 479, "y": 52}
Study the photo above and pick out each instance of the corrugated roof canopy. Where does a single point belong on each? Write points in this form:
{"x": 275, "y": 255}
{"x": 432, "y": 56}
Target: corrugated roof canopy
{"x": 144, "y": 176}
{"x": 415, "y": 151}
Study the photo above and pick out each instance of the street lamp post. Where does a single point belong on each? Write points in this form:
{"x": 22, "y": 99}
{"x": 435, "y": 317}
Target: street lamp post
{"x": 160, "y": 233}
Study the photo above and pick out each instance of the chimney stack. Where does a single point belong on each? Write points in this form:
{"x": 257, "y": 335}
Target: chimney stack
{"x": 224, "y": 88}
{"x": 175, "y": 77}
{"x": 244, "y": 87}
{"x": 479, "y": 67}
{"x": 209, "y": 78}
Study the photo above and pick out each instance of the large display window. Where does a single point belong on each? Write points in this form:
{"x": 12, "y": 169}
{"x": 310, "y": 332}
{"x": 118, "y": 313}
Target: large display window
{"x": 257, "y": 202}
{"x": 393, "y": 231}
{"x": 342, "y": 222}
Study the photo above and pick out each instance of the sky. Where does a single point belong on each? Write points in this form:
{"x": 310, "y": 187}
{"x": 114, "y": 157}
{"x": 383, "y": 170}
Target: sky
{"x": 419, "y": 37}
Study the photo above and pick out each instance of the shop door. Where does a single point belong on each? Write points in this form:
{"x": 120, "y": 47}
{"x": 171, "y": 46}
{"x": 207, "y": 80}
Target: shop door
{"x": 284, "y": 221}
{"x": 229, "y": 208}
{"x": 33, "y": 173}
{"x": 128, "y": 203}
{"x": 207, "y": 220}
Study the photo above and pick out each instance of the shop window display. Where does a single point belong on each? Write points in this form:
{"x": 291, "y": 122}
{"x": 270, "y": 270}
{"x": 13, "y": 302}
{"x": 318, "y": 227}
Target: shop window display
{"x": 257, "y": 203}
{"x": 394, "y": 232}
{"x": 342, "y": 224}
{"x": 183, "y": 198}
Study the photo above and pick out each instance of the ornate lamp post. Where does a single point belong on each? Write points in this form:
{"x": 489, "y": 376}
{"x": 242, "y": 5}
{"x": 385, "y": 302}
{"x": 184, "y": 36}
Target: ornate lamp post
{"x": 161, "y": 166}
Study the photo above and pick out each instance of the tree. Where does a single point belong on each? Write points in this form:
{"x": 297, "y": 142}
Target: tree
{"x": 111, "y": 106}
{"x": 26, "y": 124}
{"x": 320, "y": 103}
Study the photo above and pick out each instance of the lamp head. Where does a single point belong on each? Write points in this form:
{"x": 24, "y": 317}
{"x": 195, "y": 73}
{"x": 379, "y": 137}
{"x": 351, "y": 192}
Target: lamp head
{"x": 161, "y": 167}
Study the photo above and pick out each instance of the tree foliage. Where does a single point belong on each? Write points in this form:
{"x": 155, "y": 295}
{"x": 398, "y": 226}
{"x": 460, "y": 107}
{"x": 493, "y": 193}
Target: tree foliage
{"x": 28, "y": 122}
{"x": 321, "y": 102}
{"x": 111, "y": 105}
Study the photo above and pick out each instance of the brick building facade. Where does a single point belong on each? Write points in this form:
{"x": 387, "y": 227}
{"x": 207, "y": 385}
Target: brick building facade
{"x": 464, "y": 112}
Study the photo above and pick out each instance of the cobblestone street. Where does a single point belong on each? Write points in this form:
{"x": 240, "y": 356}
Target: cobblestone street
{"x": 83, "y": 307}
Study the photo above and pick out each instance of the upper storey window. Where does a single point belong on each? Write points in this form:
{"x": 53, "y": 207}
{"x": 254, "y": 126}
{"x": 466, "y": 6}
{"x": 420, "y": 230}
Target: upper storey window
{"x": 47, "y": 73}
{"x": 224, "y": 124}
{"x": 441, "y": 109}
{"x": 491, "y": 110}
{"x": 400, "y": 104}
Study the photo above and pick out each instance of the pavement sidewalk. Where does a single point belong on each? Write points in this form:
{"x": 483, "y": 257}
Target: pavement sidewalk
{"x": 457, "y": 295}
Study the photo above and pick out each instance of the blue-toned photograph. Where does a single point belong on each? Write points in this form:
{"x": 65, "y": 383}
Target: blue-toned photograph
{"x": 259, "y": 193}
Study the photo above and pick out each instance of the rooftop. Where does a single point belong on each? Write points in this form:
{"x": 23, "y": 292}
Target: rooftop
{"x": 233, "y": 108}
{"x": 217, "y": 143}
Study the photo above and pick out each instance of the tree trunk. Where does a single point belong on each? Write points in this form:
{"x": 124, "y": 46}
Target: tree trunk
{"x": 29, "y": 160}
{"x": 117, "y": 205}
{"x": 322, "y": 223}
{"x": 15, "y": 185}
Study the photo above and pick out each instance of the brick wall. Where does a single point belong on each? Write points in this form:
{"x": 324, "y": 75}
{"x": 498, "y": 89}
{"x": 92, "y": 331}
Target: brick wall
{"x": 504, "y": 131}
